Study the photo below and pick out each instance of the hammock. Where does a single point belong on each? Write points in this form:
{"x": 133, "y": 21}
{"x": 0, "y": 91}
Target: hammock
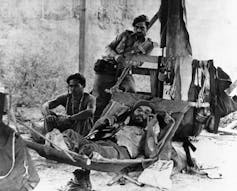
{"x": 174, "y": 108}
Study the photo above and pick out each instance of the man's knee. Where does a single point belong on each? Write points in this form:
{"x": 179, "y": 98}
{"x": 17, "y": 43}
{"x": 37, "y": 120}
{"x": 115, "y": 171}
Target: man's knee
{"x": 87, "y": 149}
{"x": 50, "y": 122}
{"x": 69, "y": 133}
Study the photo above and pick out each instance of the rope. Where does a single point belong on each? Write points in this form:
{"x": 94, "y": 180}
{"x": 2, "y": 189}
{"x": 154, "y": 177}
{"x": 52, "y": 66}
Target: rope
{"x": 13, "y": 157}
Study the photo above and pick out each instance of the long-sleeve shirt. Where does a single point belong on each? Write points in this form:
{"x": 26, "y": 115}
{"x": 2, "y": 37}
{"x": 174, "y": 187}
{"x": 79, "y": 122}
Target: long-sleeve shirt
{"x": 127, "y": 42}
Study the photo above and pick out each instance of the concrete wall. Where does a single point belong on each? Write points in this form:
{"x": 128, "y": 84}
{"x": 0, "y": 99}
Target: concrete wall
{"x": 29, "y": 9}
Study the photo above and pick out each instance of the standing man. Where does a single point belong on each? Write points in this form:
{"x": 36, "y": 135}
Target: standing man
{"x": 110, "y": 67}
{"x": 79, "y": 106}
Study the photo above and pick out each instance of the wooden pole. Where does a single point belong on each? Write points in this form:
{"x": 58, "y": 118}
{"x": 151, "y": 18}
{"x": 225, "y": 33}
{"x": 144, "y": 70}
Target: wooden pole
{"x": 42, "y": 9}
{"x": 82, "y": 18}
{"x": 154, "y": 19}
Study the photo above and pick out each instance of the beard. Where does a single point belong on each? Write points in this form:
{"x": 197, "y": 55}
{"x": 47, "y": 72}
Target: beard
{"x": 138, "y": 121}
{"x": 139, "y": 36}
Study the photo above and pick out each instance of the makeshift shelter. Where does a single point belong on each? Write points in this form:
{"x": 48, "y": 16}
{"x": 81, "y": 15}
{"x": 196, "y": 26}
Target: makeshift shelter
{"x": 176, "y": 108}
{"x": 178, "y": 50}
{"x": 176, "y": 57}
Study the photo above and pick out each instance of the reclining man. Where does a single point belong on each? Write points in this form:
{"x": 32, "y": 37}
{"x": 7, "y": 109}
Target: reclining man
{"x": 132, "y": 134}
{"x": 79, "y": 106}
{"x": 127, "y": 139}
{"x": 110, "y": 67}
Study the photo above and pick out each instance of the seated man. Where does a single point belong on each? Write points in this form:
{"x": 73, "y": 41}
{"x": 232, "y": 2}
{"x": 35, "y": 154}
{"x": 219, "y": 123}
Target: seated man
{"x": 127, "y": 140}
{"x": 79, "y": 106}
{"x": 109, "y": 68}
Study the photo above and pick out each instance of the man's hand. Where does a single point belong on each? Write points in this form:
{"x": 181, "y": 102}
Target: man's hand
{"x": 120, "y": 59}
{"x": 168, "y": 118}
{"x": 69, "y": 118}
{"x": 129, "y": 60}
{"x": 51, "y": 118}
{"x": 111, "y": 119}
{"x": 126, "y": 60}
{"x": 45, "y": 109}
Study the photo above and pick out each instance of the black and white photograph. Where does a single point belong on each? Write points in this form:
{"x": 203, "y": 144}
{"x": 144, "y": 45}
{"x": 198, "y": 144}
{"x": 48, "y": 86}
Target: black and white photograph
{"x": 121, "y": 95}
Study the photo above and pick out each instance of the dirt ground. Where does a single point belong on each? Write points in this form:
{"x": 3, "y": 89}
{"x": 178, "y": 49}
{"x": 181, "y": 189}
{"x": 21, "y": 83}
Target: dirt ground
{"x": 216, "y": 152}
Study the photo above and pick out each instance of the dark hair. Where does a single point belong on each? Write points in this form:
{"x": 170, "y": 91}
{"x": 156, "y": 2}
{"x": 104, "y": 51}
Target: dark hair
{"x": 143, "y": 103}
{"x": 141, "y": 18}
{"x": 79, "y": 77}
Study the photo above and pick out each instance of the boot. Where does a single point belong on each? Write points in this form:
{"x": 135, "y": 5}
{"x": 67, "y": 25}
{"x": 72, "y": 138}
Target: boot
{"x": 81, "y": 181}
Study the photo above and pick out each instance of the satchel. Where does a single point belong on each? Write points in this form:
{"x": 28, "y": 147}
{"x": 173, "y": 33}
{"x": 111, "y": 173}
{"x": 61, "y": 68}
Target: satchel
{"x": 225, "y": 104}
{"x": 108, "y": 67}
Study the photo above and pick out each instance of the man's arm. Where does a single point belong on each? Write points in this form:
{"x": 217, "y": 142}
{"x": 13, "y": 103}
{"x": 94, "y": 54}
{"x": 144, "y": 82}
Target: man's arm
{"x": 88, "y": 112}
{"x": 110, "y": 50}
{"x": 151, "y": 138}
{"x": 46, "y": 107}
{"x": 115, "y": 113}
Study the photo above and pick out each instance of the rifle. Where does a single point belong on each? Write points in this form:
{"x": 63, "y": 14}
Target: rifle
{"x": 109, "y": 122}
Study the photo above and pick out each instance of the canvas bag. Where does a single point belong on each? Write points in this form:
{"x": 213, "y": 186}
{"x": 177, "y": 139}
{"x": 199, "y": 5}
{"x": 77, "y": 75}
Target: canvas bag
{"x": 224, "y": 103}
